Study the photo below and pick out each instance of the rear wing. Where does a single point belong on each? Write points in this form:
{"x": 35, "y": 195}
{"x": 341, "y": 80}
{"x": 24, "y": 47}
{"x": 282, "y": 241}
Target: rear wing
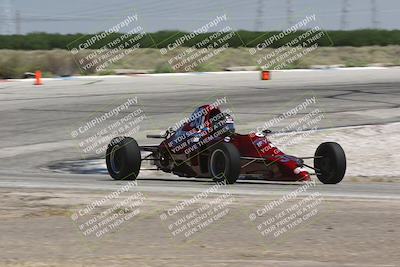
{"x": 150, "y": 148}
{"x": 155, "y": 136}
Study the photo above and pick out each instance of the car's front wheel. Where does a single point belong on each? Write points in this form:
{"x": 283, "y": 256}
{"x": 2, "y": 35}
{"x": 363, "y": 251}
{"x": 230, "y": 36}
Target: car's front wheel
{"x": 224, "y": 163}
{"x": 330, "y": 163}
{"x": 123, "y": 158}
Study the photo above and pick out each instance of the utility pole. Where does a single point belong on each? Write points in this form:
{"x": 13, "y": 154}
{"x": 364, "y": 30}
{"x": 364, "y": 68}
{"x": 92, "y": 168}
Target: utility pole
{"x": 258, "y": 23}
{"x": 17, "y": 22}
{"x": 6, "y": 21}
{"x": 374, "y": 15}
{"x": 289, "y": 12}
{"x": 345, "y": 11}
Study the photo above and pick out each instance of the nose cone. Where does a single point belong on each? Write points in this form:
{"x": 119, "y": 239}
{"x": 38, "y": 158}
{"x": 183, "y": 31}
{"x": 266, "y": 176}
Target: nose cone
{"x": 304, "y": 176}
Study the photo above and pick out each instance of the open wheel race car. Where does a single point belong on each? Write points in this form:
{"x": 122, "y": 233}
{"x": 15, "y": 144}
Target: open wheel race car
{"x": 208, "y": 146}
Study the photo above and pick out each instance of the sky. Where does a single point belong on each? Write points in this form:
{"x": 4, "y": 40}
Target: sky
{"x": 89, "y": 16}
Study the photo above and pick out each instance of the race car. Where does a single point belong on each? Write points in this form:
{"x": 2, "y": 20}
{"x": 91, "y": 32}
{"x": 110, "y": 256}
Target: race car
{"x": 206, "y": 145}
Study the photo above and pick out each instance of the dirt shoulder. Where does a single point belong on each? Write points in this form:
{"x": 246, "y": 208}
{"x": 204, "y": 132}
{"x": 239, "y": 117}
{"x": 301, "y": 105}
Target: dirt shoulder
{"x": 37, "y": 230}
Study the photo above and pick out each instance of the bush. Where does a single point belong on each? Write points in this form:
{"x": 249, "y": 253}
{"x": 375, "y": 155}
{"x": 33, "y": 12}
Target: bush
{"x": 11, "y": 67}
{"x": 163, "y": 67}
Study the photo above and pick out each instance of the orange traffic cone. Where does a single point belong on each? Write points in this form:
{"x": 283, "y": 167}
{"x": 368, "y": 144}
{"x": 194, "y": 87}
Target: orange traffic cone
{"x": 265, "y": 75}
{"x": 38, "y": 78}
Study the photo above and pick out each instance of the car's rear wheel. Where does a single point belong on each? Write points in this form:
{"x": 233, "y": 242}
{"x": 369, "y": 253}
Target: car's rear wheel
{"x": 123, "y": 158}
{"x": 224, "y": 163}
{"x": 330, "y": 163}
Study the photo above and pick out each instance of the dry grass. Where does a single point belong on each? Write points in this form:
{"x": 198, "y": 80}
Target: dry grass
{"x": 61, "y": 62}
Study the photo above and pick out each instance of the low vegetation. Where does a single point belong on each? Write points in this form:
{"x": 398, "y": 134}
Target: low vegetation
{"x": 57, "y": 62}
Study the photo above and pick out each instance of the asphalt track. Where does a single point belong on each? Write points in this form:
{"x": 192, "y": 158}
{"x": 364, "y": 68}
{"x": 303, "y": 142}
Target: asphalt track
{"x": 36, "y": 121}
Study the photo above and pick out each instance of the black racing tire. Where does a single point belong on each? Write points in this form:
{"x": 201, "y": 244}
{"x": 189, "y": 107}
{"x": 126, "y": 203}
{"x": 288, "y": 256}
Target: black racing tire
{"x": 224, "y": 163}
{"x": 123, "y": 158}
{"x": 330, "y": 160}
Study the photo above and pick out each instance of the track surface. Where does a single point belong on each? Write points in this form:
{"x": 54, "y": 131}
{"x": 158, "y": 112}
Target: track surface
{"x": 357, "y": 223}
{"x": 36, "y": 121}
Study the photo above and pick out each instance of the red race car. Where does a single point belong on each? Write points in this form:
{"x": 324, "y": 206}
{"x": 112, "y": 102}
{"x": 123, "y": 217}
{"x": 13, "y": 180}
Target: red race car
{"x": 206, "y": 145}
